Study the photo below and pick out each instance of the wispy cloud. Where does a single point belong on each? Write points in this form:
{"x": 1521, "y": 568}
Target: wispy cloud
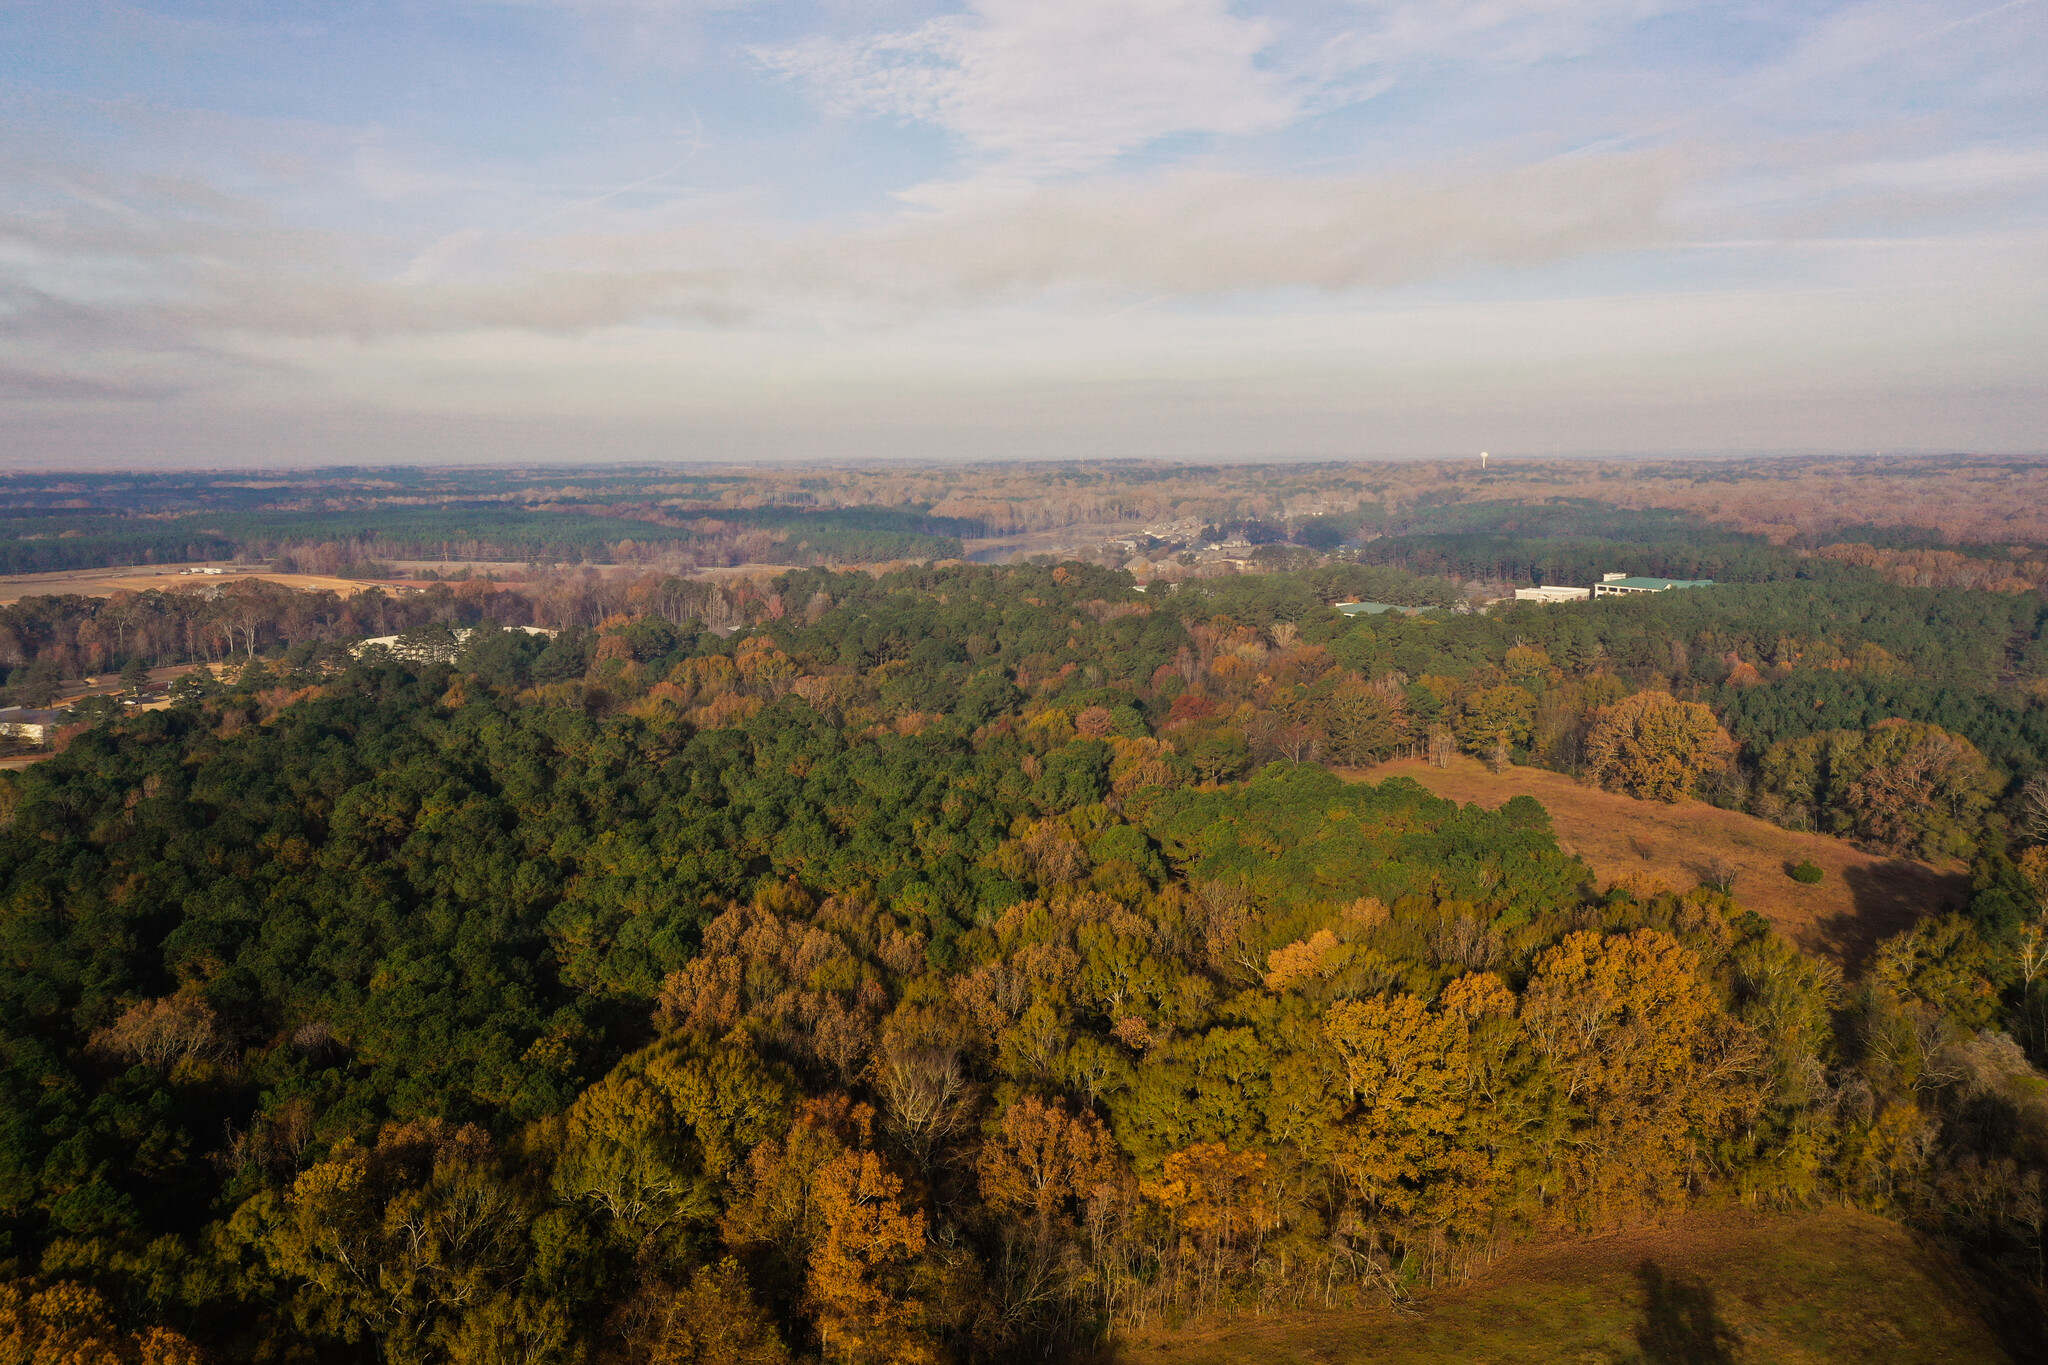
{"x": 1184, "y": 233}
{"x": 46, "y": 384}
{"x": 1034, "y": 88}
{"x": 1197, "y": 233}
{"x": 1395, "y": 36}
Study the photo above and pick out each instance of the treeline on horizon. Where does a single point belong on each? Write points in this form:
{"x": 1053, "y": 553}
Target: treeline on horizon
{"x": 341, "y": 542}
{"x": 971, "y": 963}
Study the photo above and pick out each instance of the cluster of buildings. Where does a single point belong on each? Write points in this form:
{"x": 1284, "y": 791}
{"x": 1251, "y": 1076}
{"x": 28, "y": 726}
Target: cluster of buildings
{"x": 1610, "y": 585}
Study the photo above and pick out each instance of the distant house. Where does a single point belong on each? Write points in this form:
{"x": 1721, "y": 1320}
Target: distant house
{"x": 27, "y": 722}
{"x": 421, "y": 649}
{"x": 1624, "y": 585}
{"x": 1375, "y": 608}
{"x": 1552, "y": 594}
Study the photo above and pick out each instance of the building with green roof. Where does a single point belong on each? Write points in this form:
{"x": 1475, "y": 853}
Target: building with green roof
{"x": 1624, "y": 585}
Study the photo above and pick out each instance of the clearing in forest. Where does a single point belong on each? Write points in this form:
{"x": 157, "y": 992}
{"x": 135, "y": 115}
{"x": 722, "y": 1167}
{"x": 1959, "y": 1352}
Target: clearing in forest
{"x": 163, "y": 578}
{"x": 1862, "y": 898}
{"x": 1719, "y": 1289}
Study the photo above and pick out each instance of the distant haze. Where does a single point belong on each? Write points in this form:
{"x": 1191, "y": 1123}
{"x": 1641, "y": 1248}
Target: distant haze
{"x": 475, "y": 230}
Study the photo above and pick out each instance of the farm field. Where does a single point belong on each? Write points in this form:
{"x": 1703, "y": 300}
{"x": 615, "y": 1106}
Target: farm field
{"x": 1812, "y": 1289}
{"x": 1862, "y": 899}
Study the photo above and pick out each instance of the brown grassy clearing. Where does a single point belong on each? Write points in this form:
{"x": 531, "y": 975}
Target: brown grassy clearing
{"x": 1718, "y": 1289}
{"x": 1863, "y": 898}
{"x": 164, "y": 577}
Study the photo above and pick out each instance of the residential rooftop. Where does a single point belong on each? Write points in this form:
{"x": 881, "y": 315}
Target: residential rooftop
{"x": 1376, "y": 608}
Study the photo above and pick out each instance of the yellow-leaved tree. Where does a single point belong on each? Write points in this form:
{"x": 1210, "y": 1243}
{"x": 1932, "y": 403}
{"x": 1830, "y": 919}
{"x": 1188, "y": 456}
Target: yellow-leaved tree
{"x": 1654, "y": 746}
{"x": 1221, "y": 1205}
{"x": 1408, "y": 1148}
{"x": 418, "y": 1242}
{"x": 1649, "y": 1069}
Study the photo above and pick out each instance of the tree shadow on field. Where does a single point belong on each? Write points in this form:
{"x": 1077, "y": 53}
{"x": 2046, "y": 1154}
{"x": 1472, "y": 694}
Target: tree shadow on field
{"x": 1679, "y": 1325}
{"x": 1890, "y": 898}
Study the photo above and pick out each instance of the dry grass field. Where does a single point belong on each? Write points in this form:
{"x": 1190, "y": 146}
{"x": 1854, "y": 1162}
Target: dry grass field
{"x": 142, "y": 577}
{"x": 1863, "y": 897}
{"x": 1837, "y": 1287}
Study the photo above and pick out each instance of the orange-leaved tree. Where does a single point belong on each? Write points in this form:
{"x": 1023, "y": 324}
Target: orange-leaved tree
{"x": 69, "y": 1324}
{"x": 1043, "y": 1160}
{"x": 1221, "y": 1205}
{"x": 861, "y": 1268}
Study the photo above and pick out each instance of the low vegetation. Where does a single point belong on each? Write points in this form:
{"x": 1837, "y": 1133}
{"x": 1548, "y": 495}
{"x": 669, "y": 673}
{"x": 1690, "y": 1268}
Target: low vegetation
{"x": 1830, "y": 1288}
{"x": 1859, "y": 900}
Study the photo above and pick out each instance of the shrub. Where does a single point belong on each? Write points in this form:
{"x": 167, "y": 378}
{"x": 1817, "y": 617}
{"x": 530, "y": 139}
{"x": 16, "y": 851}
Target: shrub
{"x": 1808, "y": 873}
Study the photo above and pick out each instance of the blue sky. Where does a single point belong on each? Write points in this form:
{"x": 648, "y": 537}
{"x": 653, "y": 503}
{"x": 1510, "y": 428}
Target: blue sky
{"x": 237, "y": 233}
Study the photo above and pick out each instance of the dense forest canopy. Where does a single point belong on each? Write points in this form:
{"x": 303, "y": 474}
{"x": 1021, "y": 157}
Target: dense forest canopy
{"x": 962, "y": 963}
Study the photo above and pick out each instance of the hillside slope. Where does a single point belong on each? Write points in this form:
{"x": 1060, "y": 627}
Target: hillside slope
{"x": 1862, "y": 899}
{"x": 1811, "y": 1289}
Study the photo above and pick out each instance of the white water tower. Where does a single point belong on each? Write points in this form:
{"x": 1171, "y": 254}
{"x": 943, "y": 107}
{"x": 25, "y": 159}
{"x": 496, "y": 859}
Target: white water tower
{"x": 1482, "y": 459}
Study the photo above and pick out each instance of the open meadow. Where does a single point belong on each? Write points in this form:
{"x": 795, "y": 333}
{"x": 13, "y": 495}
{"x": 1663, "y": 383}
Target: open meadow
{"x": 162, "y": 577}
{"x": 1861, "y": 899}
{"x": 1836, "y": 1287}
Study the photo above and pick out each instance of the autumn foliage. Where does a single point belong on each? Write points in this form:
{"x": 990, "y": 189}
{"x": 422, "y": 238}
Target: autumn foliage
{"x": 1654, "y": 746}
{"x": 967, "y": 964}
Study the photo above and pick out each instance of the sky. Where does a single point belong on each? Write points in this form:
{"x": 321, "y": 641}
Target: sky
{"x": 263, "y": 232}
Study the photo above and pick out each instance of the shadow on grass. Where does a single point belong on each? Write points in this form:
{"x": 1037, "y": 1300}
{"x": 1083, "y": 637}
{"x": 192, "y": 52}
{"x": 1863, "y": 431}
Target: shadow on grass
{"x": 1890, "y": 898}
{"x": 1679, "y": 1325}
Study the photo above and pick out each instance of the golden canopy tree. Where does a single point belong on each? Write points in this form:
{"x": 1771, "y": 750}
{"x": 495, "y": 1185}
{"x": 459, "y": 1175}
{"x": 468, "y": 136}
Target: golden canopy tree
{"x": 1408, "y": 1070}
{"x": 1222, "y": 1206}
{"x": 1646, "y": 1063}
{"x": 861, "y": 1268}
{"x": 1654, "y": 746}
{"x": 1497, "y": 715}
